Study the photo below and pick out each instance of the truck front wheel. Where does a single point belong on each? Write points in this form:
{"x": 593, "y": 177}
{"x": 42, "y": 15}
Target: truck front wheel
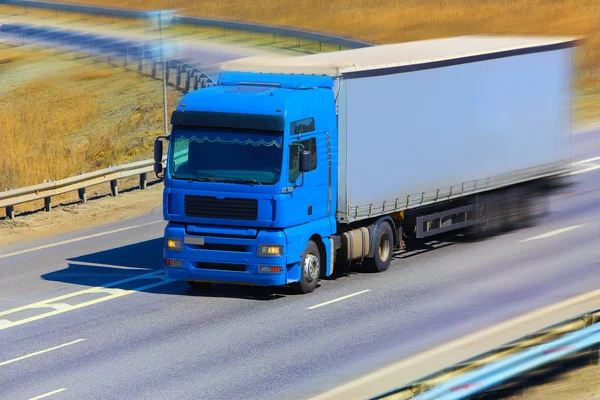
{"x": 310, "y": 269}
{"x": 384, "y": 237}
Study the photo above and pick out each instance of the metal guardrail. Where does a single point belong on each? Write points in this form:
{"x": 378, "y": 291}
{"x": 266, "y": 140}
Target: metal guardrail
{"x": 496, "y": 369}
{"x": 319, "y": 38}
{"x": 45, "y": 191}
{"x": 128, "y": 53}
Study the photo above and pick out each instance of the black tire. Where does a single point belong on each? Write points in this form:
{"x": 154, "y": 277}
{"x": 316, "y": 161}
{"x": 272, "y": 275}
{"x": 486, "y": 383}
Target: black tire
{"x": 488, "y": 218}
{"x": 310, "y": 270}
{"x": 199, "y": 286}
{"x": 384, "y": 249}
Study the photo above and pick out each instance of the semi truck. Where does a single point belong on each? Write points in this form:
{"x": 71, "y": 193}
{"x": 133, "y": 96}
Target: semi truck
{"x": 290, "y": 169}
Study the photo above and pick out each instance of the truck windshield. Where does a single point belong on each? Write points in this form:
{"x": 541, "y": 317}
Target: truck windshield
{"x": 226, "y": 155}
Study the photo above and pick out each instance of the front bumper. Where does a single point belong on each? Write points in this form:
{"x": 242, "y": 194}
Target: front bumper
{"x": 225, "y": 259}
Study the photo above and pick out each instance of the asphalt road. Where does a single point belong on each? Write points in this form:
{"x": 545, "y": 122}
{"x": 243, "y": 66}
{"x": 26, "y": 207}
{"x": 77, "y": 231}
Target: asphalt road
{"x": 145, "y": 337}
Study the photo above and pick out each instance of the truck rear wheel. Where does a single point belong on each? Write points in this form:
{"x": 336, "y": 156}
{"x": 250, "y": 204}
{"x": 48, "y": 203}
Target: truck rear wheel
{"x": 384, "y": 237}
{"x": 488, "y": 217}
{"x": 310, "y": 269}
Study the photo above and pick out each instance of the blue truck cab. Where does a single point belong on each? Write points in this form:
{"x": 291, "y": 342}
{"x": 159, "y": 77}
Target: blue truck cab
{"x": 249, "y": 181}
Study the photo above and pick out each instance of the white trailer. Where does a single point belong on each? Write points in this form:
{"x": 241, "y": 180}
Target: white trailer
{"x": 427, "y": 127}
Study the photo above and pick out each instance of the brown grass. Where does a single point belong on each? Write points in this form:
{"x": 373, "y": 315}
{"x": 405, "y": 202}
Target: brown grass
{"x": 385, "y": 21}
{"x": 79, "y": 119}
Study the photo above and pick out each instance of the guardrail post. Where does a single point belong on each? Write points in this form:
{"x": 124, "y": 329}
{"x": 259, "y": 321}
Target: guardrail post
{"x": 141, "y": 62}
{"x": 47, "y": 204}
{"x": 143, "y": 181}
{"x": 320, "y": 46}
{"x": 10, "y": 212}
{"x": 179, "y": 69}
{"x": 154, "y": 68}
{"x": 166, "y": 67}
{"x": 188, "y": 77}
{"x": 114, "y": 188}
{"x": 82, "y": 195}
{"x": 125, "y": 58}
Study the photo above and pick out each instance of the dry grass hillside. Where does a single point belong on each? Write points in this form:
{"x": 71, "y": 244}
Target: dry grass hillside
{"x": 384, "y": 21}
{"x": 105, "y": 116}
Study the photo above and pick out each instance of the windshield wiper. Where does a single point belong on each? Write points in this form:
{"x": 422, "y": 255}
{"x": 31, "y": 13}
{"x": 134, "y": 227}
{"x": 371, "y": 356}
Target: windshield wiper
{"x": 202, "y": 179}
{"x": 246, "y": 181}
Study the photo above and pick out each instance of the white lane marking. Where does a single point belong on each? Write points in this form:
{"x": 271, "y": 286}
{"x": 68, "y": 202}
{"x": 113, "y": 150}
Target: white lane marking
{"x": 48, "y": 394}
{"x": 587, "y": 160}
{"x": 338, "y": 299}
{"x": 164, "y": 281}
{"x": 446, "y": 348}
{"x": 59, "y": 306}
{"x": 121, "y": 293}
{"x": 552, "y": 233}
{"x": 96, "y": 289}
{"x": 91, "y": 264}
{"x": 37, "y": 353}
{"x": 581, "y": 171}
{"x": 95, "y": 235}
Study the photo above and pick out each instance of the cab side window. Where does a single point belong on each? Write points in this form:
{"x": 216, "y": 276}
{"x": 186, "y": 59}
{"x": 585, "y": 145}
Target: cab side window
{"x": 309, "y": 145}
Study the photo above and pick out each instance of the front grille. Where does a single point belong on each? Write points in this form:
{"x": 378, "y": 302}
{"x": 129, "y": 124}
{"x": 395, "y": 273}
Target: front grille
{"x": 229, "y": 208}
{"x": 221, "y": 267}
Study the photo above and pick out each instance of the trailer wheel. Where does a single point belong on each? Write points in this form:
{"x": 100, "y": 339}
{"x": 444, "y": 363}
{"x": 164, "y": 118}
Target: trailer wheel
{"x": 199, "y": 286}
{"x": 488, "y": 219}
{"x": 310, "y": 268}
{"x": 384, "y": 237}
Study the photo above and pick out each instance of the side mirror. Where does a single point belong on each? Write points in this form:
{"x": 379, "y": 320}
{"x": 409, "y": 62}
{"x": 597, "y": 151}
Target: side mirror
{"x": 305, "y": 161}
{"x": 158, "y": 155}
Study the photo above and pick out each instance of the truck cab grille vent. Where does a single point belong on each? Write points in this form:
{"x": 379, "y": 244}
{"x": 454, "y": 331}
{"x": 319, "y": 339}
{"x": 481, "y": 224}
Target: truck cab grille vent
{"x": 229, "y": 208}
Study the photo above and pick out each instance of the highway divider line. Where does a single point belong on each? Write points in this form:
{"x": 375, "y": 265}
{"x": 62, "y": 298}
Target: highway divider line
{"x": 581, "y": 171}
{"x": 552, "y": 233}
{"x": 95, "y": 235}
{"x": 403, "y": 372}
{"x": 338, "y": 299}
{"x": 37, "y": 353}
{"x": 95, "y": 289}
{"x": 122, "y": 293}
{"x": 588, "y": 160}
{"x": 42, "y": 396}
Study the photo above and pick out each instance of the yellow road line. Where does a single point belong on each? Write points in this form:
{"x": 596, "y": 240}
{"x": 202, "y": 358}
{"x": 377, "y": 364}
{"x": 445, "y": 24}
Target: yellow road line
{"x": 95, "y": 235}
{"x": 48, "y": 394}
{"x": 338, "y": 299}
{"x": 37, "y": 353}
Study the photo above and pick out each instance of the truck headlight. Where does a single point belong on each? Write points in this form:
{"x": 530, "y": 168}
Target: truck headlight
{"x": 174, "y": 244}
{"x": 270, "y": 250}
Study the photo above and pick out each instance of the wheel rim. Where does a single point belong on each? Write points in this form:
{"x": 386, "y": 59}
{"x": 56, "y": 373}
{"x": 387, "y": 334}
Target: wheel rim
{"x": 384, "y": 247}
{"x": 311, "y": 267}
{"x": 484, "y": 219}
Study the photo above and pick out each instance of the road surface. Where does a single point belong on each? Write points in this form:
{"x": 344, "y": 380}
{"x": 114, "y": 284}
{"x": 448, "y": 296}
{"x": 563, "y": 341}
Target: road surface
{"x": 110, "y": 326}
